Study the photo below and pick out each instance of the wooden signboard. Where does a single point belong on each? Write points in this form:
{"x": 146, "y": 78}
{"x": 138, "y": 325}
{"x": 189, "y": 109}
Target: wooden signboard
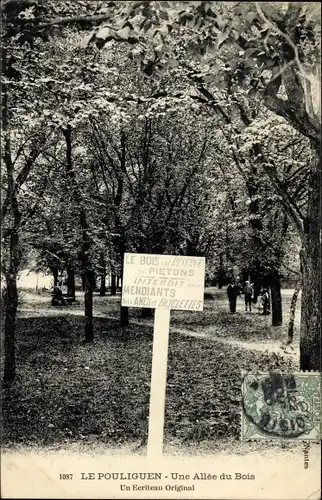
{"x": 161, "y": 282}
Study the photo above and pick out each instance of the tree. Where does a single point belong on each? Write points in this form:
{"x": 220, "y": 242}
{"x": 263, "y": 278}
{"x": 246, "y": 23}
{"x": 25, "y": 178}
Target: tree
{"x": 239, "y": 59}
{"x": 277, "y": 49}
{"x": 26, "y": 130}
{"x": 144, "y": 172}
{"x": 23, "y": 141}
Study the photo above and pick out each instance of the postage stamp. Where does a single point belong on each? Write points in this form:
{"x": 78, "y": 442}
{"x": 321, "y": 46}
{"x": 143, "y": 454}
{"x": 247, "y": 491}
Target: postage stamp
{"x": 281, "y": 406}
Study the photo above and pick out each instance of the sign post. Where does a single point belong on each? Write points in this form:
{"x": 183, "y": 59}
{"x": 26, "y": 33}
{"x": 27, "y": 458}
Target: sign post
{"x": 158, "y": 381}
{"x": 162, "y": 282}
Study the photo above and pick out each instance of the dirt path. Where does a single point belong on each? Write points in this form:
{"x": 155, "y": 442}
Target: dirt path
{"x": 270, "y": 347}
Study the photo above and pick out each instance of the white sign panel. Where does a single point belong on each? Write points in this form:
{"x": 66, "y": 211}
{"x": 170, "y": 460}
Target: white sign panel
{"x": 163, "y": 281}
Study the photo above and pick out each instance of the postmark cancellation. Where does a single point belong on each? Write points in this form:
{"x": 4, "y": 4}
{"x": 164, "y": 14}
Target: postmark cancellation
{"x": 281, "y": 406}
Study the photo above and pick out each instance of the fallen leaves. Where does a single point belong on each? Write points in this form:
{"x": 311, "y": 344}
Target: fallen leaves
{"x": 203, "y": 392}
{"x": 98, "y": 391}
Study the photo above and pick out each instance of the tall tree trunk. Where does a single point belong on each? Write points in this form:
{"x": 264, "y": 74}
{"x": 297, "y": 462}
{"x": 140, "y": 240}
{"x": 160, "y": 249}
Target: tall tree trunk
{"x": 71, "y": 282}
{"x": 11, "y": 305}
{"x": 87, "y": 271}
{"x": 103, "y": 285}
{"x": 310, "y": 313}
{"x": 11, "y": 293}
{"x": 54, "y": 271}
{"x": 310, "y": 342}
{"x": 11, "y": 235}
{"x": 220, "y": 272}
{"x": 124, "y": 311}
{"x": 118, "y": 282}
{"x": 10, "y": 206}
{"x": 119, "y": 241}
{"x": 103, "y": 275}
{"x": 113, "y": 284}
{"x": 124, "y": 316}
{"x": 290, "y": 332}
{"x": 276, "y": 297}
{"x": 88, "y": 305}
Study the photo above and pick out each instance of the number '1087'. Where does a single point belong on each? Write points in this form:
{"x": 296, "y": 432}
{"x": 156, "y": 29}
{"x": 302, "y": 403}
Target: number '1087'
{"x": 65, "y": 476}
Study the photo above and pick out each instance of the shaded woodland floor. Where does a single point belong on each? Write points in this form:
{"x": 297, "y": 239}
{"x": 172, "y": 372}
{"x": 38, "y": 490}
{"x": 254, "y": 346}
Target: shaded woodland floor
{"x": 68, "y": 393}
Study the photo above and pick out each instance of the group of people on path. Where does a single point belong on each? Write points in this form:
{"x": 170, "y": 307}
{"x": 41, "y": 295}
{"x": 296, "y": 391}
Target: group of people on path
{"x": 234, "y": 290}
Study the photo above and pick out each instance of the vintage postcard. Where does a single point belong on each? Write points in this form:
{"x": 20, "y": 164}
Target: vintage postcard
{"x": 161, "y": 250}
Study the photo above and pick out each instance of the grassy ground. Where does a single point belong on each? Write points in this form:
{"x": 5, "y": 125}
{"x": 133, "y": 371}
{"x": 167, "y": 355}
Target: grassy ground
{"x": 68, "y": 393}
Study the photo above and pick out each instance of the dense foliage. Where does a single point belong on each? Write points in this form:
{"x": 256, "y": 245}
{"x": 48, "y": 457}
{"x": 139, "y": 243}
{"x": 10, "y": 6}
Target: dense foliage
{"x": 179, "y": 127}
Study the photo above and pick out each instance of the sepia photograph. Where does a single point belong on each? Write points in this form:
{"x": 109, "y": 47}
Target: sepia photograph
{"x": 160, "y": 249}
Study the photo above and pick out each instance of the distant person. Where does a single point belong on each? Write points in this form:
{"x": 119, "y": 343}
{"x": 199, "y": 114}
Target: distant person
{"x": 232, "y": 292}
{"x": 265, "y": 301}
{"x": 248, "y": 293}
{"x": 58, "y": 299}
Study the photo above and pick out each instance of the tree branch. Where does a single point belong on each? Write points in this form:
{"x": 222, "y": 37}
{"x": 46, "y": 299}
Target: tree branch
{"x": 289, "y": 205}
{"x": 306, "y": 125}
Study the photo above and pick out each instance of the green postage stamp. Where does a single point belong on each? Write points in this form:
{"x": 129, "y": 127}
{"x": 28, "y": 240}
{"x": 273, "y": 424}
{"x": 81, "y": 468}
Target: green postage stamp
{"x": 281, "y": 406}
